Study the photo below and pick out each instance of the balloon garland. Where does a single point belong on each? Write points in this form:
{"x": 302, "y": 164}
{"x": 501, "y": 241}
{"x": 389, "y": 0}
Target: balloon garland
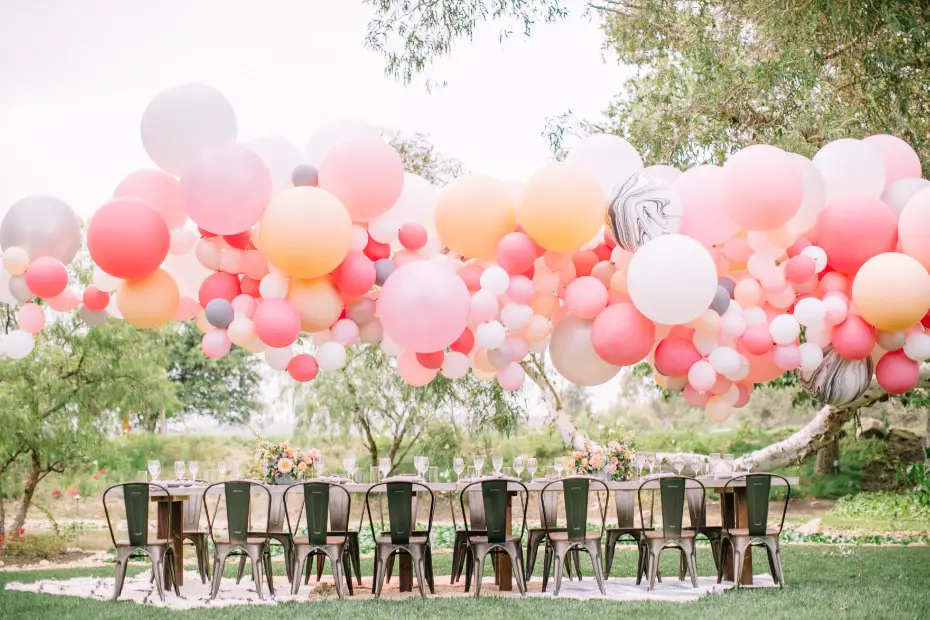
{"x": 720, "y": 277}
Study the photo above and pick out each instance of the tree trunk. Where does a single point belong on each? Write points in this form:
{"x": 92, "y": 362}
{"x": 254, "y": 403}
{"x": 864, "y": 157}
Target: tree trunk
{"x": 29, "y": 488}
{"x": 556, "y": 414}
{"x": 828, "y": 458}
{"x": 2, "y": 508}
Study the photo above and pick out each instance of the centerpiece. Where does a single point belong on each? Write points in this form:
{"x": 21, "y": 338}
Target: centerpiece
{"x": 614, "y": 461}
{"x": 281, "y": 463}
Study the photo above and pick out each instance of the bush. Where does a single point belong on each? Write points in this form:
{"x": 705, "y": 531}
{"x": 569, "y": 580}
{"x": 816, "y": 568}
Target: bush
{"x": 43, "y": 546}
{"x": 883, "y": 505}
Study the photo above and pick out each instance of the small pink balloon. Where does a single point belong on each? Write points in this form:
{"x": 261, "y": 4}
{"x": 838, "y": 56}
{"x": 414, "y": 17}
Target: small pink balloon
{"x": 277, "y": 323}
{"x": 511, "y": 377}
{"x": 484, "y": 306}
{"x": 799, "y": 268}
{"x": 46, "y": 277}
{"x": 31, "y": 319}
{"x": 245, "y": 305}
{"x": 854, "y": 339}
{"x": 745, "y": 391}
{"x": 702, "y": 376}
{"x": 519, "y": 347}
{"x": 95, "y": 300}
{"x": 896, "y": 373}
{"x": 412, "y": 236}
{"x": 345, "y": 332}
{"x": 675, "y": 355}
{"x": 521, "y": 289}
{"x": 411, "y": 371}
{"x": 516, "y": 253}
{"x": 787, "y": 357}
{"x": 303, "y": 367}
{"x": 365, "y": 173}
{"x": 215, "y": 343}
{"x": 763, "y": 187}
{"x": 585, "y": 297}
{"x": 758, "y": 339}
{"x": 187, "y": 310}
{"x": 901, "y": 161}
{"x": 703, "y": 215}
{"x": 694, "y": 397}
{"x": 355, "y": 275}
{"x": 67, "y": 301}
{"x": 622, "y": 336}
{"x": 157, "y": 188}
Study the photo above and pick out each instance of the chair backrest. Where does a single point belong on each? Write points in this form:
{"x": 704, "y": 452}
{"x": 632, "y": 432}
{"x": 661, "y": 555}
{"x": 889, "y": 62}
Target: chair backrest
{"x": 697, "y": 506}
{"x": 315, "y": 508}
{"x": 576, "y": 491}
{"x": 758, "y": 490}
{"x": 672, "y": 490}
{"x": 193, "y": 508}
{"x": 494, "y": 497}
{"x": 401, "y": 508}
{"x": 626, "y": 504}
{"x": 475, "y": 511}
{"x": 136, "y": 497}
{"x": 235, "y": 497}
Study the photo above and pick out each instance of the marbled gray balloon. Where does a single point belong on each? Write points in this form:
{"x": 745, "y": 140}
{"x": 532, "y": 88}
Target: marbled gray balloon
{"x": 642, "y": 208}
{"x": 91, "y": 318}
{"x": 837, "y": 381}
{"x": 19, "y": 289}
{"x": 384, "y": 267}
{"x": 43, "y": 226}
{"x": 721, "y": 300}
{"x": 727, "y": 283}
{"x": 219, "y": 313}
{"x": 305, "y": 175}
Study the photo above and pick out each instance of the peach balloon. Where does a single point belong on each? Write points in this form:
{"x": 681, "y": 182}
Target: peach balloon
{"x": 318, "y": 303}
{"x": 187, "y": 309}
{"x": 365, "y": 173}
{"x": 149, "y": 302}
{"x": 892, "y": 291}
{"x": 473, "y": 214}
{"x": 585, "y": 297}
{"x": 157, "y": 188}
{"x": 762, "y": 187}
{"x": 561, "y": 207}
{"x": 914, "y": 227}
{"x": 305, "y": 232}
{"x": 703, "y": 215}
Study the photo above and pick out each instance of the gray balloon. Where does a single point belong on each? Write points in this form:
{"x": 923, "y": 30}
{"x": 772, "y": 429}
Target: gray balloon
{"x": 92, "y": 318}
{"x": 729, "y": 284}
{"x": 43, "y": 226}
{"x": 721, "y": 300}
{"x": 384, "y": 267}
{"x": 305, "y": 175}
{"x": 642, "y": 208}
{"x": 501, "y": 357}
{"x": 19, "y": 289}
{"x": 219, "y": 313}
{"x": 837, "y": 381}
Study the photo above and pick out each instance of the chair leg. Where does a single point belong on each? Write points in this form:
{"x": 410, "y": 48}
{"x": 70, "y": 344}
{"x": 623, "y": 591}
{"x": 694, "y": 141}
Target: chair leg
{"x": 347, "y": 565}
{"x": 516, "y": 560}
{"x": 610, "y": 548}
{"x": 547, "y": 566}
{"x": 598, "y": 569}
{"x": 737, "y": 566}
{"x": 721, "y": 564}
{"x": 380, "y": 568}
{"x": 218, "y": 563}
{"x": 653, "y": 567}
{"x": 428, "y": 561}
{"x": 335, "y": 561}
{"x": 576, "y": 556}
{"x": 159, "y": 572}
{"x": 781, "y": 572}
{"x": 560, "y": 560}
{"x": 640, "y": 562}
{"x": 770, "y": 555}
{"x": 356, "y": 559}
{"x": 319, "y": 567}
{"x": 682, "y": 565}
{"x": 532, "y": 548}
{"x": 241, "y": 569}
{"x": 416, "y": 557}
{"x": 478, "y": 560}
{"x": 469, "y": 560}
{"x": 690, "y": 557}
{"x": 121, "y": 564}
{"x": 268, "y": 569}
{"x": 173, "y": 571}
{"x": 257, "y": 576}
{"x": 457, "y": 555}
{"x": 297, "y": 571}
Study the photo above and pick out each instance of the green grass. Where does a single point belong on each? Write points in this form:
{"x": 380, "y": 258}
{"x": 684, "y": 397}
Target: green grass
{"x": 823, "y": 582}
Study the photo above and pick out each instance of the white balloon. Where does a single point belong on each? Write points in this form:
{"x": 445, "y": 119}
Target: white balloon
{"x": 278, "y": 358}
{"x": 611, "y": 159}
{"x": 455, "y": 365}
{"x": 495, "y": 280}
{"x": 516, "y": 316}
{"x": 241, "y": 331}
{"x": 18, "y": 344}
{"x": 784, "y": 329}
{"x": 280, "y": 157}
{"x": 182, "y": 241}
{"x": 917, "y": 346}
{"x": 490, "y": 335}
{"x": 359, "y": 238}
{"x": 705, "y": 343}
{"x": 187, "y": 272}
{"x": 901, "y": 191}
{"x": 390, "y": 348}
{"x": 814, "y": 197}
{"x": 672, "y": 279}
{"x": 5, "y": 295}
{"x": 334, "y": 133}
{"x": 15, "y": 261}
{"x": 811, "y": 356}
{"x": 850, "y": 168}
{"x": 890, "y": 341}
{"x": 104, "y": 281}
{"x": 384, "y": 229}
{"x": 819, "y": 336}
{"x": 810, "y": 311}
{"x": 835, "y": 310}
{"x": 725, "y": 360}
{"x": 669, "y": 174}
{"x": 272, "y": 286}
{"x": 331, "y": 356}
{"x": 753, "y": 315}
{"x": 818, "y": 255}
{"x": 208, "y": 253}
{"x": 573, "y": 354}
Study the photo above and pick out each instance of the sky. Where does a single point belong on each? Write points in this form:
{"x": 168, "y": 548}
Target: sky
{"x": 77, "y": 76}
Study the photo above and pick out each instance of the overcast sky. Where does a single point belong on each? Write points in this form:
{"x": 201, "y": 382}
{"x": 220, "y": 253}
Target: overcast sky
{"x": 77, "y": 75}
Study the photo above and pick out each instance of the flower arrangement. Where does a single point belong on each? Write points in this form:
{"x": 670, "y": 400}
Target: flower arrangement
{"x": 616, "y": 460}
{"x": 619, "y": 460}
{"x": 586, "y": 462}
{"x": 276, "y": 462}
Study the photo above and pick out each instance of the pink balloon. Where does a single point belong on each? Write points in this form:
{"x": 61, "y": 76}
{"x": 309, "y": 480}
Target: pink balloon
{"x": 757, "y": 339}
{"x": 854, "y": 339}
{"x": 226, "y": 191}
{"x": 95, "y": 300}
{"x": 128, "y": 238}
{"x": 432, "y": 361}
{"x": 703, "y": 215}
{"x": 46, "y": 277}
{"x": 365, "y": 173}
{"x": 694, "y": 397}
{"x": 277, "y": 323}
{"x": 412, "y": 372}
{"x": 675, "y": 356}
{"x": 511, "y": 377}
{"x": 219, "y": 284}
{"x": 519, "y": 347}
{"x": 762, "y": 368}
{"x": 721, "y": 385}
{"x": 763, "y": 187}
{"x": 702, "y": 375}
{"x": 516, "y": 253}
{"x": 622, "y": 336}
{"x": 521, "y": 289}
{"x": 787, "y": 357}
{"x": 31, "y": 319}
{"x": 412, "y": 236}
{"x": 914, "y": 227}
{"x": 187, "y": 309}
{"x": 245, "y": 305}
{"x": 799, "y": 268}
{"x": 157, "y": 188}
{"x": 356, "y": 275}
{"x": 854, "y": 229}
{"x": 215, "y": 343}
{"x": 483, "y": 306}
{"x": 424, "y": 306}
{"x": 901, "y": 161}
{"x": 345, "y": 332}
{"x": 67, "y": 301}
{"x": 745, "y": 391}
{"x": 303, "y": 367}
{"x": 896, "y": 373}
{"x": 585, "y": 297}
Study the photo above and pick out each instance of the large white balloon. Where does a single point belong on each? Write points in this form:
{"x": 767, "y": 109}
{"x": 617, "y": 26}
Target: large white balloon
{"x": 898, "y": 193}
{"x": 280, "y": 156}
{"x": 814, "y": 197}
{"x": 278, "y": 358}
{"x": 416, "y": 204}
{"x": 187, "y": 272}
{"x": 573, "y": 354}
{"x": 18, "y": 344}
{"x": 331, "y": 356}
{"x": 672, "y": 279}
{"x": 609, "y": 158}
{"x": 850, "y": 168}
{"x": 334, "y": 133}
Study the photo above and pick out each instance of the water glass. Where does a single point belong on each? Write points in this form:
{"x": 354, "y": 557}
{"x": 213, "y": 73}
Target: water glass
{"x": 678, "y": 462}
{"x": 154, "y": 468}
{"x": 651, "y": 461}
{"x": 747, "y": 463}
{"x": 458, "y": 466}
{"x": 518, "y": 466}
{"x": 194, "y": 466}
{"x": 507, "y": 472}
{"x": 432, "y": 474}
{"x": 351, "y": 466}
{"x": 471, "y": 473}
{"x": 384, "y": 465}
{"x": 374, "y": 474}
{"x": 179, "y": 469}
{"x": 559, "y": 464}
{"x": 422, "y": 465}
{"x": 478, "y": 460}
{"x": 714, "y": 462}
{"x": 639, "y": 460}
{"x": 531, "y": 467}
{"x": 695, "y": 463}
{"x": 551, "y": 473}
{"x": 223, "y": 468}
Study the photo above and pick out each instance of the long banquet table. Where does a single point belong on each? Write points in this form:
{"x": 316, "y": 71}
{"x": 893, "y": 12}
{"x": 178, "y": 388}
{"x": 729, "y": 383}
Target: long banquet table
{"x": 736, "y": 506}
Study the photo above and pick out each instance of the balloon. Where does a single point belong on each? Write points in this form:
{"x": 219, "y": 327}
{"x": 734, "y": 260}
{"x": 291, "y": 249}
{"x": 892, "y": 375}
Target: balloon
{"x": 721, "y": 300}
{"x": 361, "y": 310}
{"x": 901, "y": 191}
{"x": 672, "y": 279}
{"x": 412, "y": 236}
{"x": 675, "y": 356}
{"x": 223, "y": 285}
{"x": 365, "y": 173}
{"x": 799, "y": 269}
{"x": 66, "y": 301}
{"x": 899, "y": 159}
{"x": 763, "y": 187}
{"x": 92, "y": 318}
{"x": 854, "y": 229}
{"x": 371, "y": 332}
{"x": 345, "y": 332}
{"x": 850, "y": 168}
{"x": 128, "y": 238}
{"x": 95, "y": 299}
{"x": 810, "y": 312}
{"x": 280, "y": 157}
{"x": 814, "y": 195}
{"x": 31, "y": 318}
{"x": 896, "y": 373}
{"x": 718, "y": 409}
{"x": 239, "y": 241}
{"x": 483, "y": 306}
{"x": 42, "y": 226}
{"x": 150, "y": 301}
{"x": 473, "y": 213}
{"x": 19, "y": 289}
{"x": 811, "y": 356}
{"x": 573, "y": 354}
{"x": 241, "y": 331}
{"x": 521, "y": 289}
{"x": 279, "y": 357}
{"x": 303, "y": 367}
{"x": 424, "y": 306}
{"x": 917, "y": 346}
{"x": 464, "y": 343}
{"x": 702, "y": 196}
{"x": 585, "y": 297}
{"x": 158, "y": 189}
{"x": 273, "y": 285}
{"x": 611, "y": 159}
{"x": 511, "y": 377}
{"x": 837, "y": 381}
{"x": 495, "y": 280}
{"x": 694, "y": 397}
{"x": 411, "y": 371}
{"x": 15, "y": 260}
{"x": 891, "y": 291}
{"x": 702, "y": 375}
{"x": 219, "y": 312}
{"x": 914, "y": 227}
{"x": 18, "y": 344}
{"x": 784, "y": 329}
{"x": 215, "y": 343}
{"x": 642, "y": 208}
{"x": 334, "y": 133}
{"x": 515, "y": 253}
{"x": 890, "y": 341}
{"x": 787, "y": 357}
{"x": 182, "y": 241}
{"x": 455, "y": 365}
{"x": 46, "y": 277}
{"x": 490, "y": 335}
{"x": 668, "y": 174}
{"x": 317, "y": 302}
{"x": 724, "y": 360}
{"x": 277, "y": 323}
{"x": 516, "y": 316}
{"x": 305, "y": 175}
{"x": 182, "y": 123}
{"x": 305, "y": 232}
{"x": 208, "y": 253}
{"x": 383, "y": 270}
{"x": 561, "y": 207}
{"x": 355, "y": 275}
{"x": 853, "y": 339}
{"x": 431, "y": 361}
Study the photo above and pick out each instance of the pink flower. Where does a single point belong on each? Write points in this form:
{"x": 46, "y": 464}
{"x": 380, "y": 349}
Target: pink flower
{"x": 314, "y": 454}
{"x": 285, "y": 466}
{"x": 307, "y": 459}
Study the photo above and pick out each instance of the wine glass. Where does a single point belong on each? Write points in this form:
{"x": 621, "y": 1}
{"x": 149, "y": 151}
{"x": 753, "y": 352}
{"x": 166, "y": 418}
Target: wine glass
{"x": 179, "y": 469}
{"x": 154, "y": 469}
{"x": 650, "y": 461}
{"x": 531, "y": 467}
{"x": 236, "y": 470}
{"x": 478, "y": 460}
{"x": 518, "y": 466}
{"x": 678, "y": 462}
{"x": 695, "y": 463}
{"x": 422, "y": 464}
{"x": 497, "y": 462}
{"x": 747, "y": 463}
{"x": 458, "y": 466}
{"x": 639, "y": 460}
{"x": 714, "y": 463}
{"x": 318, "y": 465}
{"x": 384, "y": 465}
{"x": 223, "y": 468}
{"x": 559, "y": 464}
{"x": 194, "y": 466}
{"x": 728, "y": 462}
{"x": 351, "y": 466}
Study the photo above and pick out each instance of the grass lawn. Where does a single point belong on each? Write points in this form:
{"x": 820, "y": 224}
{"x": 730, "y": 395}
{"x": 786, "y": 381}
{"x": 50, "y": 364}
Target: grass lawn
{"x": 823, "y": 582}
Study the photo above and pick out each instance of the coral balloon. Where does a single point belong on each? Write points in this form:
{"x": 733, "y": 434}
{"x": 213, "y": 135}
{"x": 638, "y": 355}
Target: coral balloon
{"x": 853, "y": 339}
{"x": 222, "y": 285}
{"x": 586, "y": 297}
{"x": 365, "y": 173}
{"x": 896, "y": 373}
{"x": 703, "y": 197}
{"x": 431, "y": 361}
{"x": 411, "y": 371}
{"x": 763, "y": 187}
{"x": 355, "y": 275}
{"x": 573, "y": 354}
{"x": 561, "y": 207}
{"x": 277, "y": 323}
{"x": 854, "y": 229}
{"x": 465, "y": 343}
{"x": 674, "y": 356}
{"x": 317, "y": 302}
{"x": 515, "y": 253}
{"x": 473, "y": 214}
{"x": 412, "y": 236}
{"x": 157, "y": 188}
{"x": 128, "y": 238}
{"x": 150, "y": 301}
{"x": 305, "y": 232}
{"x": 95, "y": 300}
{"x": 46, "y": 277}
{"x": 303, "y": 367}
{"x": 622, "y": 336}
{"x": 891, "y": 291}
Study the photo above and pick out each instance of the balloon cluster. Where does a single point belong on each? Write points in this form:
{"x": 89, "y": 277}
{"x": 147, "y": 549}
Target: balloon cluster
{"x": 720, "y": 277}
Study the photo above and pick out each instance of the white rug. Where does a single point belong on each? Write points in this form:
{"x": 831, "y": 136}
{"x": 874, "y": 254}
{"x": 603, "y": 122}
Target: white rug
{"x": 194, "y": 594}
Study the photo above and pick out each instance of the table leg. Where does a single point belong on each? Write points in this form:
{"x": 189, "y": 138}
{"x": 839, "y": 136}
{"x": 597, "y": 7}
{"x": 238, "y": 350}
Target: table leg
{"x": 406, "y": 572}
{"x": 176, "y": 509}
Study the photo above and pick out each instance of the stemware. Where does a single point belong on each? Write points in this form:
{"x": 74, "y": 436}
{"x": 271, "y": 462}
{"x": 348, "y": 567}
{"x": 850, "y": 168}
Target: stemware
{"x": 551, "y": 473}
{"x": 497, "y": 462}
{"x": 518, "y": 466}
{"x": 351, "y": 466}
{"x": 747, "y": 463}
{"x": 194, "y": 466}
{"x": 458, "y": 466}
{"x": 639, "y": 460}
{"x": 154, "y": 469}
{"x": 531, "y": 467}
{"x": 678, "y": 462}
{"x": 559, "y": 464}
{"x": 236, "y": 470}
{"x": 650, "y": 461}
{"x": 384, "y": 466}
{"x": 696, "y": 463}
{"x": 422, "y": 464}
{"x": 713, "y": 463}
{"x": 319, "y": 465}
{"x": 179, "y": 469}
{"x": 223, "y": 468}
{"x": 728, "y": 462}
{"x": 478, "y": 460}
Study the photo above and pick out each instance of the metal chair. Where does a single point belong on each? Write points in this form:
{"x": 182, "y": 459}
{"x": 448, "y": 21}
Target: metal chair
{"x": 401, "y": 537}
{"x": 461, "y": 552}
{"x": 697, "y": 511}
{"x": 575, "y": 536}
{"x": 320, "y": 541}
{"x": 626, "y": 526}
{"x": 758, "y": 533}
{"x": 191, "y": 530}
{"x": 536, "y": 536}
{"x": 235, "y": 497}
{"x": 136, "y": 499}
{"x": 339, "y": 525}
{"x": 672, "y": 535}
{"x": 497, "y": 534}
